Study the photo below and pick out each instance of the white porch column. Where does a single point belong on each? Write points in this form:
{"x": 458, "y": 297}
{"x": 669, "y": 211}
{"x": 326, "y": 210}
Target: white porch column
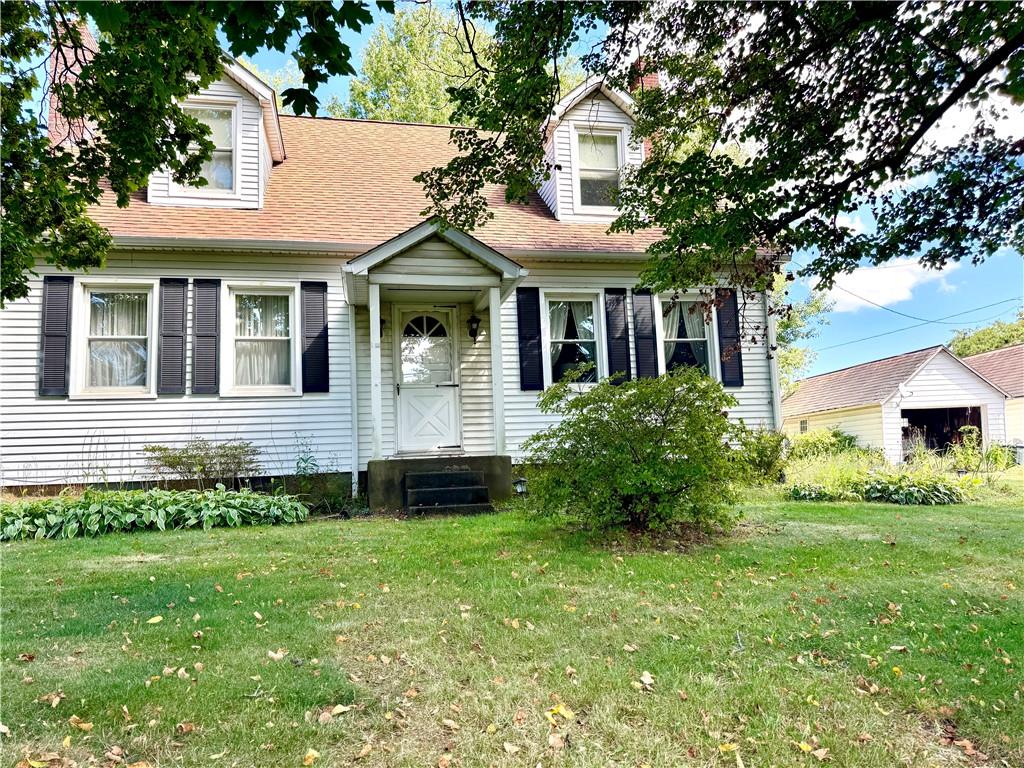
{"x": 376, "y": 407}
{"x": 497, "y": 376}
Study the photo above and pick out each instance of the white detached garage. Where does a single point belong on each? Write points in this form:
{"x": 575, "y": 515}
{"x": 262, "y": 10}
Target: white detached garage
{"x": 926, "y": 395}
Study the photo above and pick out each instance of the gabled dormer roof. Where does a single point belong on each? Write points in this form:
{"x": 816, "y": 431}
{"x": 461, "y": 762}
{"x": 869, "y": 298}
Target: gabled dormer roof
{"x": 592, "y": 85}
{"x": 268, "y": 104}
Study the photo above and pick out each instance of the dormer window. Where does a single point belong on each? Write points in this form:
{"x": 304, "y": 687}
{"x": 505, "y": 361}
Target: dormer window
{"x": 220, "y": 171}
{"x": 600, "y": 157}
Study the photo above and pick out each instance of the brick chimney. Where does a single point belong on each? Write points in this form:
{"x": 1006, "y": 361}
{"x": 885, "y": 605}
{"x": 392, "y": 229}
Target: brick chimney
{"x": 64, "y": 67}
{"x": 642, "y": 77}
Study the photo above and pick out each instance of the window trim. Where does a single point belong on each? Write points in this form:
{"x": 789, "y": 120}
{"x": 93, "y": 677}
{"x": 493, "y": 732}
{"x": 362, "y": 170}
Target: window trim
{"x": 228, "y": 289}
{"x": 711, "y": 326}
{"x": 600, "y": 129}
{"x": 80, "y": 316}
{"x": 179, "y": 192}
{"x": 573, "y": 294}
{"x": 803, "y": 426}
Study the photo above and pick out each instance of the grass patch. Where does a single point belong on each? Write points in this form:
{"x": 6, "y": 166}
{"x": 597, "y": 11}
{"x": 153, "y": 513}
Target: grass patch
{"x": 455, "y": 637}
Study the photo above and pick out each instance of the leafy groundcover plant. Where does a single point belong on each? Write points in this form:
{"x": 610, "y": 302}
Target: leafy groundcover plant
{"x": 637, "y": 454}
{"x": 892, "y": 486}
{"x": 98, "y": 512}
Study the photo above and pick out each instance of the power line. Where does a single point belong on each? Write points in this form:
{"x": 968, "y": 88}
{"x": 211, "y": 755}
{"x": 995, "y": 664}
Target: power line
{"x": 881, "y": 306}
{"x": 926, "y": 322}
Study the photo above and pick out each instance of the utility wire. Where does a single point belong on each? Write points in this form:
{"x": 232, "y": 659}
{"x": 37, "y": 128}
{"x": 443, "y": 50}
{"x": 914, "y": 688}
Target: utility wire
{"x": 887, "y": 309}
{"x": 926, "y": 322}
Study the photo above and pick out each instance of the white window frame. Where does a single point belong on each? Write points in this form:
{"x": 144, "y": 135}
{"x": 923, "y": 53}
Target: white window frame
{"x": 579, "y": 129}
{"x": 803, "y": 426}
{"x": 181, "y": 192}
{"x": 710, "y": 327}
{"x": 228, "y": 388}
{"x": 80, "y": 315}
{"x": 573, "y": 294}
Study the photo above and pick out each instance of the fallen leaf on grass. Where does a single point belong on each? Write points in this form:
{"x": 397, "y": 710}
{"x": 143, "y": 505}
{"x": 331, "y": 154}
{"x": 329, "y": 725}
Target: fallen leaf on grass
{"x": 450, "y": 724}
{"x": 821, "y": 754}
{"x": 444, "y": 761}
{"x": 26, "y": 657}
{"x": 184, "y": 728}
{"x": 53, "y": 699}
{"x": 366, "y": 750}
{"x": 310, "y": 756}
{"x": 155, "y": 620}
{"x": 510, "y": 748}
{"x": 277, "y": 655}
{"x": 80, "y": 724}
{"x": 556, "y": 741}
{"x": 139, "y": 764}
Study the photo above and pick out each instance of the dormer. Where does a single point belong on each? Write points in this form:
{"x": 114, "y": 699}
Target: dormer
{"x": 241, "y": 111}
{"x": 589, "y": 144}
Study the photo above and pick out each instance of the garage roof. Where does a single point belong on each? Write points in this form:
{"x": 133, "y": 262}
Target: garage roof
{"x": 1003, "y": 367}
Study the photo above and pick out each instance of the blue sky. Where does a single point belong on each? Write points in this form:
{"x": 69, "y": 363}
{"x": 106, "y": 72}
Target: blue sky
{"x": 963, "y": 290}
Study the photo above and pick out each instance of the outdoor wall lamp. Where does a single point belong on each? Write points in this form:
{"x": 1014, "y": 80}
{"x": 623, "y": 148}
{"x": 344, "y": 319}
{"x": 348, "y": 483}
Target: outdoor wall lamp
{"x": 519, "y": 484}
{"x": 473, "y": 325}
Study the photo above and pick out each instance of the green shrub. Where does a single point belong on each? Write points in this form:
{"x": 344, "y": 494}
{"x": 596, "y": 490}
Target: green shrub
{"x": 965, "y": 454}
{"x": 822, "y": 442}
{"x": 904, "y": 486}
{"x": 765, "y": 453}
{"x": 820, "y": 492}
{"x": 638, "y": 454}
{"x": 203, "y": 461}
{"x": 999, "y": 458}
{"x": 97, "y": 512}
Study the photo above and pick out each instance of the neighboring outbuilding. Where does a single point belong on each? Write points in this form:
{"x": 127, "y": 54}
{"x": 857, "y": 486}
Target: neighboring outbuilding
{"x": 1005, "y": 368}
{"x": 926, "y": 395}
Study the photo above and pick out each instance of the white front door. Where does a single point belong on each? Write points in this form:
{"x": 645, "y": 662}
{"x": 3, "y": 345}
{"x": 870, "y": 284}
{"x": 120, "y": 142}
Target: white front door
{"x": 427, "y": 387}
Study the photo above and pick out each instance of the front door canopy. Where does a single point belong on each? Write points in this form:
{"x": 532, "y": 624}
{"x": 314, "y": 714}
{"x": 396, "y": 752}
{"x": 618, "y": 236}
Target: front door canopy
{"x": 500, "y": 269}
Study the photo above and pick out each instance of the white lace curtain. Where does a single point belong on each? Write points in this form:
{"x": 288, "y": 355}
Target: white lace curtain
{"x": 118, "y": 339}
{"x": 691, "y": 327}
{"x": 262, "y": 340}
{"x": 582, "y": 318}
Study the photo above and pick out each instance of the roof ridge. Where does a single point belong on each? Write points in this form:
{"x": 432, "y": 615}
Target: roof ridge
{"x": 872, "y": 362}
{"x": 333, "y": 119}
{"x": 993, "y": 351}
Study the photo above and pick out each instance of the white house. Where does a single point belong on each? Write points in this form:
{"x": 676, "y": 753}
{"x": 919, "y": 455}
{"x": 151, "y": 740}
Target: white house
{"x": 927, "y": 395}
{"x": 300, "y": 301}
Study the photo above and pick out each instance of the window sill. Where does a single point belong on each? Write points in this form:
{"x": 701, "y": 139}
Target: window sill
{"x": 113, "y": 395}
{"x": 261, "y": 392}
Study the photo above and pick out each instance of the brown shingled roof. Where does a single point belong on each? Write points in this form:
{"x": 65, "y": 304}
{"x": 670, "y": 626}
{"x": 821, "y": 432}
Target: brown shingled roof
{"x": 351, "y": 182}
{"x": 857, "y": 385}
{"x": 1003, "y": 367}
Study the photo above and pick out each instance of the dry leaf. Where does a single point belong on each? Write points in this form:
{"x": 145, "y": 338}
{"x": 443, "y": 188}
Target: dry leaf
{"x": 184, "y": 728}
{"x": 629, "y": 648}
{"x": 340, "y": 709}
{"x": 277, "y": 655}
{"x": 821, "y": 754}
{"x": 53, "y": 699}
{"x": 556, "y": 741}
{"x": 444, "y": 761}
{"x": 81, "y": 725}
{"x": 367, "y": 749}
{"x": 450, "y": 724}
{"x": 510, "y": 748}
{"x": 310, "y": 757}
{"x": 155, "y": 620}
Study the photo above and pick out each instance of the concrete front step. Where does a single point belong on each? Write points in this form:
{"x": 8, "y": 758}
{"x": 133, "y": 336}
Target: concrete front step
{"x": 451, "y": 509}
{"x": 465, "y": 494}
{"x": 444, "y": 479}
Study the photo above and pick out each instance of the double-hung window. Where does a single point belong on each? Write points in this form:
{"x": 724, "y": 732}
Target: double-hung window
{"x": 261, "y": 349}
{"x": 685, "y": 335}
{"x": 116, "y": 351}
{"x": 572, "y": 336}
{"x": 219, "y": 170}
{"x": 599, "y": 160}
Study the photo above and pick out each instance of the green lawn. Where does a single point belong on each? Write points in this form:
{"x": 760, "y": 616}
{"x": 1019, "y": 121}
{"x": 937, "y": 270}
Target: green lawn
{"x": 859, "y": 629}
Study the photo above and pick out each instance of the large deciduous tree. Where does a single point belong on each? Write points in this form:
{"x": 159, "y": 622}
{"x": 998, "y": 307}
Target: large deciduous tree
{"x": 799, "y": 322}
{"x": 836, "y": 106}
{"x": 118, "y": 96}
{"x": 995, "y": 336}
{"x": 412, "y": 61}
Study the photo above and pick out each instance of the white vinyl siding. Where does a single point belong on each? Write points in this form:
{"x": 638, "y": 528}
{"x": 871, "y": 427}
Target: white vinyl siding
{"x": 1014, "y": 411}
{"x": 250, "y": 151}
{"x": 561, "y": 192}
{"x": 944, "y": 382}
{"x": 522, "y": 416}
{"x": 56, "y": 440}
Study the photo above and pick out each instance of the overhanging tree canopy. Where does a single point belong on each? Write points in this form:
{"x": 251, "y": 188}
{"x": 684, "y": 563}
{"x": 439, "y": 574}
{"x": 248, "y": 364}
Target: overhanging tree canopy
{"x": 836, "y": 106}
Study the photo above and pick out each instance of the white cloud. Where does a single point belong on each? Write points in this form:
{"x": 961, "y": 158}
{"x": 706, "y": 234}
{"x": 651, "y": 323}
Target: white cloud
{"x": 889, "y": 283}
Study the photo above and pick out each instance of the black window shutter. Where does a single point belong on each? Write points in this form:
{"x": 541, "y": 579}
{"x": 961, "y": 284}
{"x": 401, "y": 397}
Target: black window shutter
{"x": 644, "y": 337}
{"x": 531, "y": 366}
{"x": 617, "y": 325}
{"x": 729, "y": 338}
{"x": 55, "y": 335}
{"x": 170, "y": 379}
{"x": 205, "y": 336}
{"x": 315, "y": 353}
